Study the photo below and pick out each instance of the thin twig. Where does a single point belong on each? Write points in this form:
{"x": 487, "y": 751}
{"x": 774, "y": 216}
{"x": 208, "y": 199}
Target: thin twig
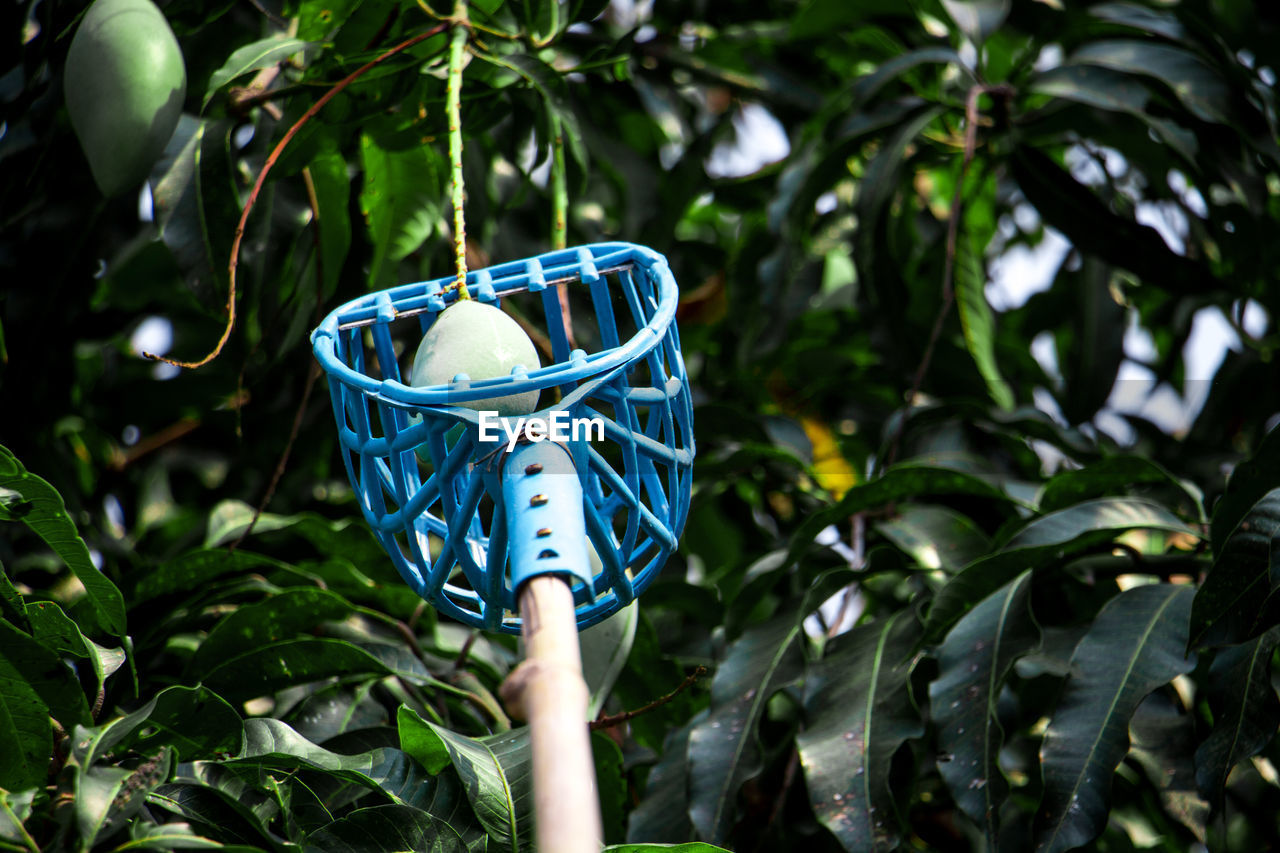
{"x": 948, "y": 269}
{"x": 788, "y": 779}
{"x": 457, "y": 48}
{"x": 284, "y": 457}
{"x": 168, "y": 435}
{"x": 465, "y": 652}
{"x": 560, "y": 218}
{"x": 262, "y": 178}
{"x": 617, "y": 719}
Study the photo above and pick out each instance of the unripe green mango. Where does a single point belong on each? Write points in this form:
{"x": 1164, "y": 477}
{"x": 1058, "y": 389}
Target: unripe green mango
{"x": 124, "y": 84}
{"x": 481, "y": 341}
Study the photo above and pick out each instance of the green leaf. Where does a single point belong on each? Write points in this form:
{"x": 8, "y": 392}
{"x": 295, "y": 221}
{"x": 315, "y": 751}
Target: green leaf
{"x": 280, "y": 617}
{"x": 496, "y": 773}
{"x": 28, "y": 665}
{"x": 386, "y": 829}
{"x": 973, "y": 662}
{"x": 691, "y": 847}
{"x": 1164, "y": 737}
{"x": 1105, "y": 477}
{"x": 107, "y": 796}
{"x": 1251, "y": 479}
{"x": 1112, "y": 90}
{"x": 195, "y": 201}
{"x": 174, "y": 835}
{"x": 1047, "y": 538}
{"x": 216, "y": 813}
{"x": 46, "y": 514}
{"x": 13, "y": 607}
{"x": 193, "y": 721}
{"x": 392, "y": 772}
{"x": 333, "y": 195}
{"x": 1236, "y": 602}
{"x": 273, "y": 667}
{"x": 552, "y": 92}
{"x": 1093, "y": 228}
{"x": 1246, "y": 712}
{"x": 978, "y": 321}
{"x": 611, "y": 785}
{"x": 252, "y": 57}
{"x": 605, "y": 648}
{"x": 26, "y": 734}
{"x": 400, "y": 200}
{"x": 936, "y": 537}
{"x": 1136, "y": 644}
{"x": 1155, "y": 21}
{"x": 858, "y": 704}
{"x": 898, "y": 483}
{"x": 723, "y": 749}
{"x": 1091, "y": 360}
{"x": 1195, "y": 82}
{"x": 15, "y": 809}
{"x": 663, "y": 813}
{"x": 978, "y": 19}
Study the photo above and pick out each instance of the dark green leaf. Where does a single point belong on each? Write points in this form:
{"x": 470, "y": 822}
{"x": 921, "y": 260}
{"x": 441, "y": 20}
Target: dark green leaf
{"x": 1136, "y": 644}
{"x": 1104, "y": 477}
{"x": 1092, "y": 227}
{"x": 859, "y": 710}
{"x": 977, "y": 18}
{"x": 723, "y": 749}
{"x": 977, "y": 320}
{"x": 386, "y": 829}
{"x": 973, "y": 663}
{"x": 935, "y": 536}
{"x": 1046, "y": 538}
{"x": 26, "y": 734}
{"x": 1250, "y": 480}
{"x": 1164, "y": 737}
{"x": 611, "y": 786}
{"x": 1195, "y": 83}
{"x": 273, "y": 667}
{"x": 47, "y": 516}
{"x": 663, "y": 813}
{"x": 899, "y": 482}
{"x": 496, "y": 773}
{"x": 1235, "y": 601}
{"x": 1246, "y": 712}
{"x": 280, "y": 617}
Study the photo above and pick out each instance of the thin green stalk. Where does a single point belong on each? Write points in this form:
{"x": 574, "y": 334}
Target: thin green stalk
{"x": 560, "y": 217}
{"x": 457, "y": 46}
{"x": 559, "y": 195}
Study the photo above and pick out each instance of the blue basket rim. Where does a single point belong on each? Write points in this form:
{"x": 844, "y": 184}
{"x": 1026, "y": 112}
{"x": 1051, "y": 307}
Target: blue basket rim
{"x": 580, "y": 364}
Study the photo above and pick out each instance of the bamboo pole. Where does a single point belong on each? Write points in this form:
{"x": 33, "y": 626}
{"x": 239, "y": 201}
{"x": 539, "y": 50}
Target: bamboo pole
{"x": 549, "y": 691}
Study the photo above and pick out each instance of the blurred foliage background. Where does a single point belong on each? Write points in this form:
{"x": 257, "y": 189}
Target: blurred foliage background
{"x": 981, "y": 555}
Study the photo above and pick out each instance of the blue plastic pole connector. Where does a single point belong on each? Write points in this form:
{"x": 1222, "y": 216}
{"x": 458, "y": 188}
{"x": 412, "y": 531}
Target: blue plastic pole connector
{"x": 546, "y": 529}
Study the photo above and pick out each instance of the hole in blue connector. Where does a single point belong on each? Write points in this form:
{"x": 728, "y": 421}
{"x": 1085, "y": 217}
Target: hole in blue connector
{"x": 548, "y": 554}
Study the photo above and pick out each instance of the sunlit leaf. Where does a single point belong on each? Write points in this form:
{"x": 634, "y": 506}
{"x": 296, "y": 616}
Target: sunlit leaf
{"x": 43, "y": 511}
{"x": 252, "y": 57}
